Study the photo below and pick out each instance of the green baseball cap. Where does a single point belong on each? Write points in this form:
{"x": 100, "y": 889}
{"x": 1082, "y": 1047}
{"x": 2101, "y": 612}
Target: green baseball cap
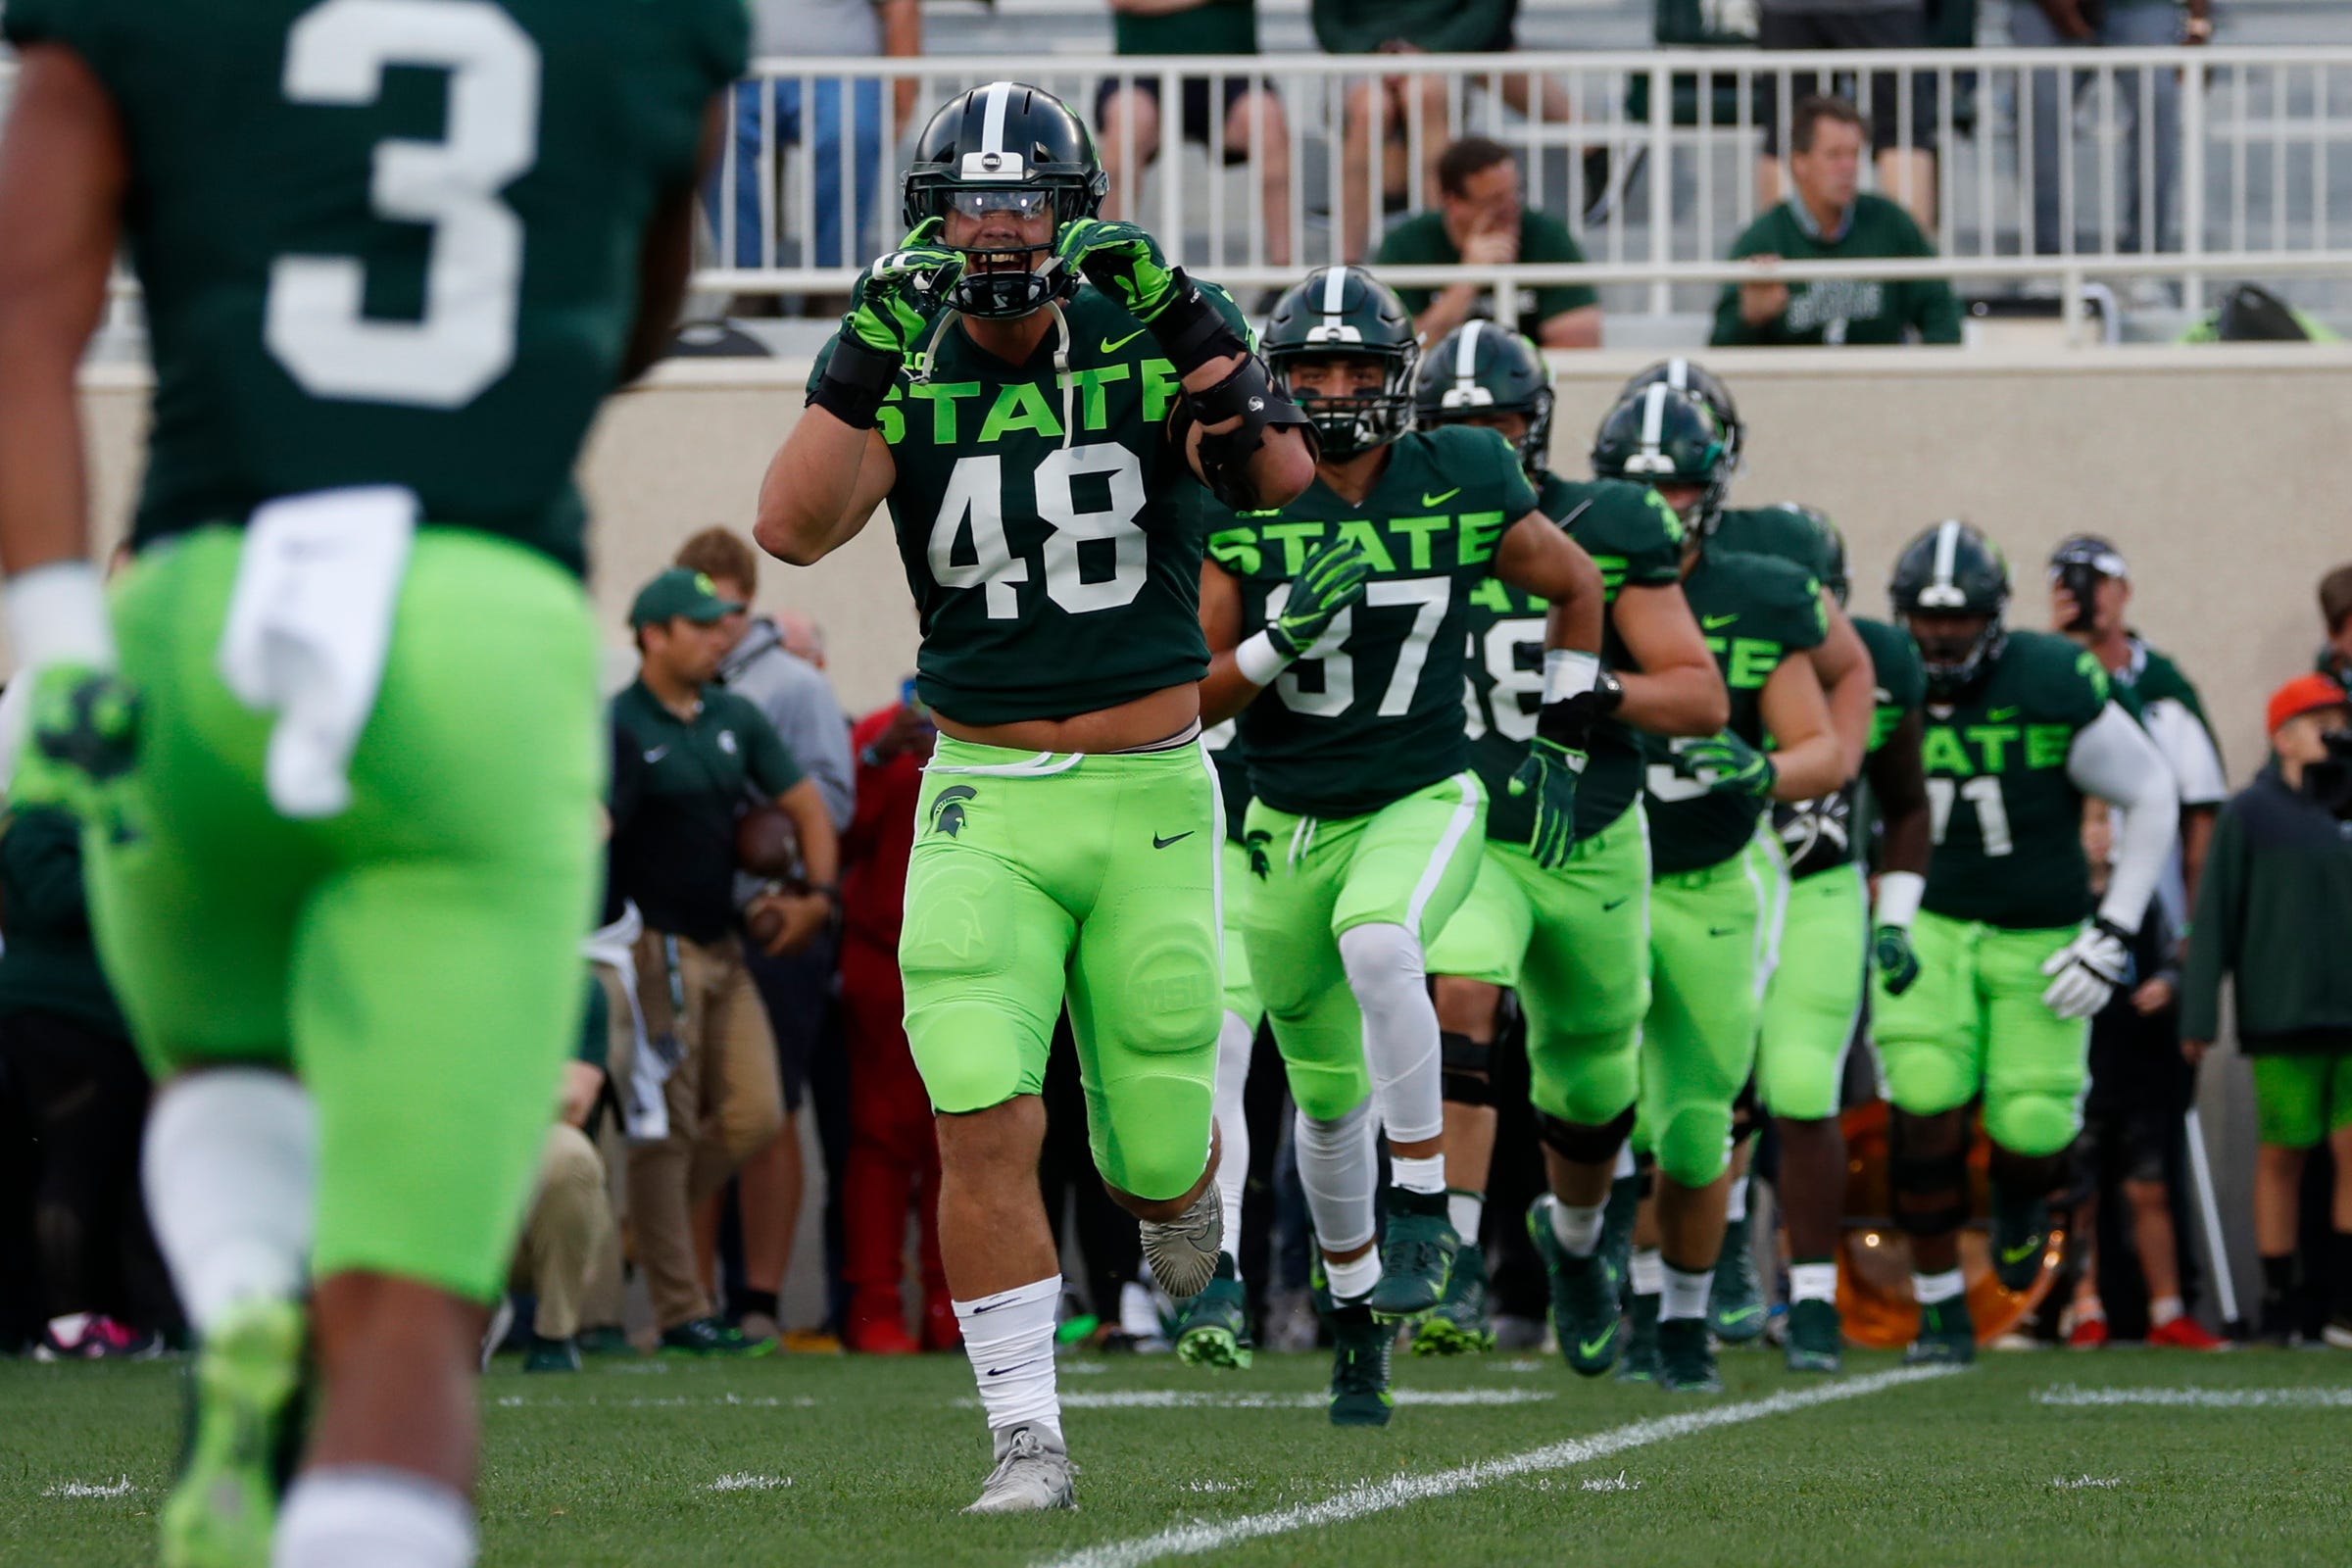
{"x": 679, "y": 592}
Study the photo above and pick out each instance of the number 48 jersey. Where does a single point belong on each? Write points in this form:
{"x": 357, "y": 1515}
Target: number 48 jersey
{"x": 391, "y": 241}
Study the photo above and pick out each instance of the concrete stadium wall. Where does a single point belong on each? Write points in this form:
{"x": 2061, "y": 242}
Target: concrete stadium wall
{"x": 2219, "y": 472}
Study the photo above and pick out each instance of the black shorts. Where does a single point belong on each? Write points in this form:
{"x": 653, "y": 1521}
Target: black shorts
{"x": 1848, "y": 29}
{"x": 1194, "y": 121}
{"x": 2141, "y": 1086}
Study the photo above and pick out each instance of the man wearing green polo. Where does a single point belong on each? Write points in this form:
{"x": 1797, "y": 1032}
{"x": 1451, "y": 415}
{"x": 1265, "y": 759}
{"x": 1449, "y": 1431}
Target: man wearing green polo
{"x": 1481, "y": 219}
{"x": 697, "y": 754}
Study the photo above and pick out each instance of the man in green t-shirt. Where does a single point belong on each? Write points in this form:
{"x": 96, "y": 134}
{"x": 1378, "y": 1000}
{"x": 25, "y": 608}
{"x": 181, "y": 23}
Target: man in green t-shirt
{"x": 1828, "y": 217}
{"x": 1480, "y": 219}
{"x": 1247, "y": 113}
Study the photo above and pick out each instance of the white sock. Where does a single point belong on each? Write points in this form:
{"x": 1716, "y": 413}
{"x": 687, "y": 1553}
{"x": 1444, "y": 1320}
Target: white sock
{"x": 229, "y": 1167}
{"x": 1235, "y": 1040}
{"x": 1931, "y": 1289}
{"x": 2162, "y": 1309}
{"x": 362, "y": 1516}
{"x": 1339, "y": 1166}
{"x": 1735, "y": 1208}
{"x": 1649, "y": 1271}
{"x": 1400, "y": 1029}
{"x": 1685, "y": 1294}
{"x": 1812, "y": 1282}
{"x": 1576, "y": 1227}
{"x": 1352, "y": 1280}
{"x": 1464, "y": 1210}
{"x": 1625, "y": 1169}
{"x": 1009, "y": 1339}
{"x": 1423, "y": 1174}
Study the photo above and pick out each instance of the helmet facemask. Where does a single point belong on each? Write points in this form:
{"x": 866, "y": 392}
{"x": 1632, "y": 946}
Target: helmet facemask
{"x": 1362, "y": 420}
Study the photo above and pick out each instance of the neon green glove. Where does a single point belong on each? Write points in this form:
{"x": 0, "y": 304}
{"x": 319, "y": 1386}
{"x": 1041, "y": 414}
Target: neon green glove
{"x": 80, "y": 744}
{"x": 1331, "y": 579}
{"x": 1726, "y": 765}
{"x": 1898, "y": 965}
{"x": 1122, "y": 261}
{"x": 895, "y": 301}
{"x": 1550, "y": 774}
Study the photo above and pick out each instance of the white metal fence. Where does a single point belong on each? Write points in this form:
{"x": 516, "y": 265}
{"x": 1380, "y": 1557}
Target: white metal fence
{"x": 2104, "y": 164}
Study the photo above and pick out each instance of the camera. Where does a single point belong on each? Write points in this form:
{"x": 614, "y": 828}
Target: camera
{"x": 2081, "y": 579}
{"x": 2329, "y": 782}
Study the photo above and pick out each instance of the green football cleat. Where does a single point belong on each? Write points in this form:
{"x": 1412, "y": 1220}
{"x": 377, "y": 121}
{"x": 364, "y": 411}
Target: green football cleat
{"x": 1617, "y": 1228}
{"x": 224, "y": 1509}
{"x": 1816, "y": 1338}
{"x": 1686, "y": 1358}
{"x": 550, "y": 1355}
{"x": 1359, "y": 1369}
{"x": 1416, "y": 1256}
{"x": 1947, "y": 1336}
{"x": 1460, "y": 1324}
{"x": 1639, "y": 1363}
{"x": 1583, "y": 1297}
{"x": 709, "y": 1337}
{"x": 2021, "y": 1234}
{"x": 1736, "y": 1302}
{"x": 1212, "y": 1328}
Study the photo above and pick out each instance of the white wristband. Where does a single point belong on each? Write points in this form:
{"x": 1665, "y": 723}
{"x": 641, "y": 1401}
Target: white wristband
{"x": 1568, "y": 672}
{"x": 56, "y": 614}
{"x": 1259, "y": 660}
{"x": 1898, "y": 897}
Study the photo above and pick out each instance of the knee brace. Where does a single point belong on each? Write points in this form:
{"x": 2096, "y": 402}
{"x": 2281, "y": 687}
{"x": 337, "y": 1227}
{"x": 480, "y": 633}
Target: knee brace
{"x": 1465, "y": 1065}
{"x": 1927, "y": 1175}
{"x": 1582, "y": 1145}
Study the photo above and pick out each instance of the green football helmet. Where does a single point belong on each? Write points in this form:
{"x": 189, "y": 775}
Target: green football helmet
{"x": 1346, "y": 311}
{"x": 1661, "y": 436}
{"x": 1480, "y": 369}
{"x": 1011, "y": 147}
{"x": 1689, "y": 375}
{"x": 1952, "y": 570}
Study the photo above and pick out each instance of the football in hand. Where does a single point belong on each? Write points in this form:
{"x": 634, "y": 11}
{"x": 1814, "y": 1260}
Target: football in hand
{"x": 765, "y": 845}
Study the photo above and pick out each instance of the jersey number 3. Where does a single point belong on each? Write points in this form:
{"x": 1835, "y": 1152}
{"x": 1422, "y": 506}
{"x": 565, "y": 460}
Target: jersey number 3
{"x": 315, "y": 323}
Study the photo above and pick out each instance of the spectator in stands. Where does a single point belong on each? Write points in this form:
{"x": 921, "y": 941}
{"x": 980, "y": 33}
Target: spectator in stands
{"x": 705, "y": 752}
{"x": 570, "y": 1223}
{"x": 770, "y": 113}
{"x": 1482, "y": 219}
{"x": 1899, "y": 103}
{"x": 796, "y": 988}
{"x": 2271, "y": 914}
{"x": 1249, "y": 112}
{"x": 892, "y": 1163}
{"x": 2110, "y": 23}
{"x": 1828, "y": 217}
{"x": 2336, "y": 611}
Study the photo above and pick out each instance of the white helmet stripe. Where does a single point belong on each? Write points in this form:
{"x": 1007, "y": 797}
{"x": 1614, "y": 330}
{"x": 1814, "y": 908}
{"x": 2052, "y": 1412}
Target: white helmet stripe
{"x": 992, "y": 123}
{"x": 1335, "y": 289}
{"x": 1465, "y": 352}
{"x": 1677, "y": 374}
{"x": 1947, "y": 547}
{"x": 1654, "y": 416}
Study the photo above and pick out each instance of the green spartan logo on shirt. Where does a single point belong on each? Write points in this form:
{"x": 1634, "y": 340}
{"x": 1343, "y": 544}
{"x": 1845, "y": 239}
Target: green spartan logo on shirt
{"x": 947, "y": 810}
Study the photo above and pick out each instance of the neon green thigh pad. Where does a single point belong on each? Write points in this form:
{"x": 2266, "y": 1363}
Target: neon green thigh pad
{"x": 1814, "y": 997}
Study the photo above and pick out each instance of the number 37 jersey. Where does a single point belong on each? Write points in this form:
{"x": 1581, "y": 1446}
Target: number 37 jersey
{"x": 391, "y": 241}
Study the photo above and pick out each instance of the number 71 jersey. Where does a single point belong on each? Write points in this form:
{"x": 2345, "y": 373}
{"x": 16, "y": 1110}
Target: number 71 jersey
{"x": 391, "y": 241}
{"x": 2006, "y": 819}
{"x": 1374, "y": 710}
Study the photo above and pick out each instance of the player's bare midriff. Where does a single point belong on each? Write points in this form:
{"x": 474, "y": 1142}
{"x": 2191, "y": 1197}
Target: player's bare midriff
{"x": 1141, "y": 722}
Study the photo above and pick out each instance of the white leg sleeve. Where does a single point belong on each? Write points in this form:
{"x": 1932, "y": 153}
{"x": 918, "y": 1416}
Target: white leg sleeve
{"x": 352, "y": 1516}
{"x": 229, "y": 1168}
{"x": 1234, "y": 1040}
{"x": 1338, "y": 1165}
{"x": 1400, "y": 1029}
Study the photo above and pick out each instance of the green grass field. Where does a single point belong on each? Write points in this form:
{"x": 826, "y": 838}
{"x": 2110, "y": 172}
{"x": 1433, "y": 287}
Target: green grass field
{"x": 2122, "y": 1459}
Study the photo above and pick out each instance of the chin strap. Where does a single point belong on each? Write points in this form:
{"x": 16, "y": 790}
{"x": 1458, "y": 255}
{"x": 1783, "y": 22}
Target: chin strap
{"x": 1061, "y": 372}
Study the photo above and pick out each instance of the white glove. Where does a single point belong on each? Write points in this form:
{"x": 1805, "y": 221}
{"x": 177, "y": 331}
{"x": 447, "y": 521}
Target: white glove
{"x": 2087, "y": 970}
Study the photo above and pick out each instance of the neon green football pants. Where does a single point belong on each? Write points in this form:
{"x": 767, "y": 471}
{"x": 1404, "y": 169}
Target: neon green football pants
{"x": 1041, "y": 879}
{"x": 415, "y": 960}
{"x": 1241, "y": 989}
{"x": 1814, "y": 998}
{"x": 1575, "y": 944}
{"x": 1975, "y": 1023}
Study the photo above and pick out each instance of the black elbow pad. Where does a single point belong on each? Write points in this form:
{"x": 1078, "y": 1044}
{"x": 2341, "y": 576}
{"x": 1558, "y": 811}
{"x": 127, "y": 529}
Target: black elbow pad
{"x": 1250, "y": 394}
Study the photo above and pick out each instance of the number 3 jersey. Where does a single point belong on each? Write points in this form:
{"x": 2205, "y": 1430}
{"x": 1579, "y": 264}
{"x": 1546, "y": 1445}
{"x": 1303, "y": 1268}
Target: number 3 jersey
{"x": 391, "y": 241}
{"x": 1374, "y": 709}
{"x": 1636, "y": 541}
{"x": 1050, "y": 530}
{"x": 2006, "y": 817}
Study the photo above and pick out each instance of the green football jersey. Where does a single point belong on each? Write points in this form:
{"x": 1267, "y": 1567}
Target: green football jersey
{"x": 1780, "y": 530}
{"x": 1634, "y": 538}
{"x": 1049, "y": 529}
{"x": 391, "y": 241}
{"x": 2007, "y": 819}
{"x": 1754, "y": 612}
{"x": 1375, "y": 709}
{"x": 1822, "y": 834}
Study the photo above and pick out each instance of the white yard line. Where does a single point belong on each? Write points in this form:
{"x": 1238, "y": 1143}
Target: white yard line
{"x": 2200, "y": 1399}
{"x": 120, "y": 1488}
{"x": 1189, "y": 1399}
{"x": 1378, "y": 1497}
{"x": 744, "y": 1481}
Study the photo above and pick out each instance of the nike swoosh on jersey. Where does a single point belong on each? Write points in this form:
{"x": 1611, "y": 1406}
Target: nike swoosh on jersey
{"x": 1713, "y": 621}
{"x": 656, "y": 753}
{"x": 1428, "y": 500}
{"x": 1999, "y": 714}
{"x": 1160, "y": 843}
{"x": 1113, "y": 345}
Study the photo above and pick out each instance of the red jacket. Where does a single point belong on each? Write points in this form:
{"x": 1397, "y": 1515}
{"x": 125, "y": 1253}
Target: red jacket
{"x": 880, "y": 837}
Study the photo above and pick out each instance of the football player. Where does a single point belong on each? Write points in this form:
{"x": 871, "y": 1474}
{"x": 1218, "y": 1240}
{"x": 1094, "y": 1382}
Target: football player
{"x": 1034, "y": 391}
{"x": 1716, "y": 880}
{"x": 2019, "y": 729}
{"x": 336, "y": 738}
{"x": 1338, "y": 627}
{"x": 1573, "y": 942}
